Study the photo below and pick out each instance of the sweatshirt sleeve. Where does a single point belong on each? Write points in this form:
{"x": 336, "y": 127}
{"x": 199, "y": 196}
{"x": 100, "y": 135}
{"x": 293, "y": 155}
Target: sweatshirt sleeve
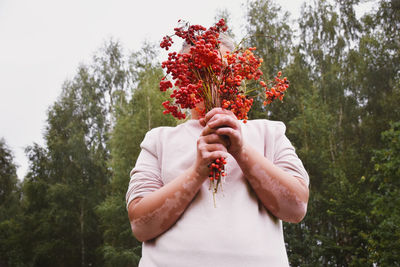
{"x": 145, "y": 176}
{"x": 285, "y": 155}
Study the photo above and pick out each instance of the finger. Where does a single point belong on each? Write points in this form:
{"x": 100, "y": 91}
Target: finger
{"x": 215, "y": 111}
{"x": 207, "y": 131}
{"x": 215, "y": 147}
{"x": 222, "y": 121}
{"x": 232, "y": 134}
{"x": 216, "y": 139}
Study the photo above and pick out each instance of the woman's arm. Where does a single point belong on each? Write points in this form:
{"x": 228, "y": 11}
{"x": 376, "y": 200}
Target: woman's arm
{"x": 281, "y": 193}
{"x": 156, "y": 212}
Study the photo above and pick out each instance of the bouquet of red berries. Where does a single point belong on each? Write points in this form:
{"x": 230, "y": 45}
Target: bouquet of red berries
{"x": 206, "y": 74}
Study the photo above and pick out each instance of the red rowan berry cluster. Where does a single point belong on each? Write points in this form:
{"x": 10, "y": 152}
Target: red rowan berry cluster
{"x": 277, "y": 90}
{"x": 166, "y": 42}
{"x": 217, "y": 171}
{"x": 201, "y": 73}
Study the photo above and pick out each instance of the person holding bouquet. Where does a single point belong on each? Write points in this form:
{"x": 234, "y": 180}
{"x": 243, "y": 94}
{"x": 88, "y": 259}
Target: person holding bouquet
{"x": 170, "y": 204}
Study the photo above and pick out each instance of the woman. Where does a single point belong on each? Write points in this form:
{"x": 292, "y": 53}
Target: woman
{"x": 171, "y": 208}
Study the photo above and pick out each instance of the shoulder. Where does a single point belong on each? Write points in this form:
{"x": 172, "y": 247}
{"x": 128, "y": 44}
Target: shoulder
{"x": 161, "y": 131}
{"x": 153, "y": 136}
{"x": 167, "y": 133}
{"x": 156, "y": 132}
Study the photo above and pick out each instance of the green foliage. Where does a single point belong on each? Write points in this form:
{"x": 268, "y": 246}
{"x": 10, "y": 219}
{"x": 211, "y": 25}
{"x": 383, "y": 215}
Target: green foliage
{"x": 9, "y": 190}
{"x": 268, "y": 29}
{"x": 68, "y": 179}
{"x": 385, "y": 213}
{"x": 120, "y": 247}
{"x": 10, "y": 248}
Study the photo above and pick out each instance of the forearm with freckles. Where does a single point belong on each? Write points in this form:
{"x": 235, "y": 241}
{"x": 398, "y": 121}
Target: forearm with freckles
{"x": 282, "y": 194}
{"x": 156, "y": 212}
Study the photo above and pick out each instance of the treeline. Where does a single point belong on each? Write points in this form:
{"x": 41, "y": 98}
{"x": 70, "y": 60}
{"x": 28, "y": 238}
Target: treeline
{"x": 342, "y": 114}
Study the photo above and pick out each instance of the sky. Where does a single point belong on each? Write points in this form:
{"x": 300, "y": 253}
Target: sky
{"x": 42, "y": 43}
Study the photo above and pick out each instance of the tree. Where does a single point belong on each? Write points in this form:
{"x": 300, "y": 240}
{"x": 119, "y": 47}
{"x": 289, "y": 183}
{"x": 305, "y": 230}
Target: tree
{"x": 9, "y": 190}
{"x": 72, "y": 171}
{"x": 10, "y": 248}
{"x": 36, "y": 231}
{"x": 385, "y": 213}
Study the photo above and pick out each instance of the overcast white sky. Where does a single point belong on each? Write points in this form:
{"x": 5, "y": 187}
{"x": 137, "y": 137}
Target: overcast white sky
{"x": 42, "y": 43}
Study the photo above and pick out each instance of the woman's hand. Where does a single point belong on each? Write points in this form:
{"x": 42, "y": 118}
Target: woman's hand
{"x": 210, "y": 146}
{"x": 224, "y": 124}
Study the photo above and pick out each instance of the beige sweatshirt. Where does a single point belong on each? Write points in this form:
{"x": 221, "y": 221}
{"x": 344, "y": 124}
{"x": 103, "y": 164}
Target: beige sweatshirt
{"x": 239, "y": 231}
